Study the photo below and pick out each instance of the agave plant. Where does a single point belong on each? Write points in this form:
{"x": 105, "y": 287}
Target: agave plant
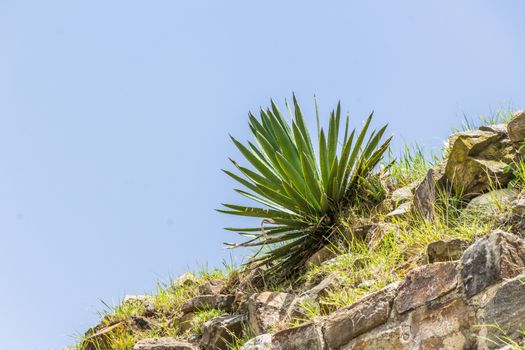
{"x": 301, "y": 190}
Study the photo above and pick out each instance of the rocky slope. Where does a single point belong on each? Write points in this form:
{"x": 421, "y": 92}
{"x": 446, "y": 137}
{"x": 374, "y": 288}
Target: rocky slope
{"x": 457, "y": 280}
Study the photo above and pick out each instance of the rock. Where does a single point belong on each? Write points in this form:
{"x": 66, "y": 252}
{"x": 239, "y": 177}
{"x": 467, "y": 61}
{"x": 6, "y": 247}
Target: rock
{"x": 492, "y": 202}
{"x": 446, "y": 326}
{"x": 142, "y": 300}
{"x": 449, "y": 250}
{"x": 426, "y": 284}
{"x": 261, "y": 342}
{"x": 312, "y": 295}
{"x": 361, "y": 317}
{"x": 385, "y": 337}
{"x": 184, "y": 322}
{"x": 503, "y": 306}
{"x": 323, "y": 254}
{"x": 307, "y": 336}
{"x": 165, "y": 343}
{"x": 490, "y": 259}
{"x": 425, "y": 196}
{"x": 477, "y": 160}
{"x": 500, "y": 129}
{"x": 518, "y": 206}
{"x": 266, "y": 309}
{"x": 401, "y": 211}
{"x": 101, "y": 338}
{"x": 185, "y": 280}
{"x": 403, "y": 194}
{"x": 208, "y": 288}
{"x": 218, "y": 332}
{"x": 330, "y": 282}
{"x": 516, "y": 127}
{"x": 212, "y": 301}
{"x": 379, "y": 230}
{"x": 140, "y": 323}
{"x": 437, "y": 328}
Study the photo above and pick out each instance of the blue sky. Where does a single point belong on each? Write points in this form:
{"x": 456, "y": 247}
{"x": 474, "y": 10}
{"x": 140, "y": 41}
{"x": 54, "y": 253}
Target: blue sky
{"x": 114, "y": 122}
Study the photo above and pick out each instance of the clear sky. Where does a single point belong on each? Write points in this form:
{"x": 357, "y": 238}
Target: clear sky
{"x": 114, "y": 122}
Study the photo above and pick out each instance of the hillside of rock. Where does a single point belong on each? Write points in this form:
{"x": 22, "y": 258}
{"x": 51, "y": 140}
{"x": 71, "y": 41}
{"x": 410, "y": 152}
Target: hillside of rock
{"x": 439, "y": 263}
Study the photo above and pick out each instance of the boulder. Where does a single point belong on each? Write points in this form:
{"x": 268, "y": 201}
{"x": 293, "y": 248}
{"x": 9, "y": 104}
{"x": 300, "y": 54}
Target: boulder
{"x": 402, "y": 211}
{"x": 518, "y": 206}
{"x": 261, "y": 342}
{"x": 446, "y": 250}
{"x": 500, "y": 129}
{"x": 391, "y": 337}
{"x": 307, "y": 336}
{"x": 403, "y": 194}
{"x": 185, "y": 280}
{"x": 425, "y": 284}
{"x": 443, "y": 326}
{"x": 221, "y": 331}
{"x": 516, "y": 127}
{"x": 490, "y": 259}
{"x": 425, "y": 196}
{"x": 477, "y": 160}
{"x": 358, "y": 318}
{"x": 209, "y": 287}
{"x": 213, "y": 301}
{"x": 503, "y": 306}
{"x": 266, "y": 309}
{"x": 492, "y": 202}
{"x": 164, "y": 343}
{"x": 329, "y": 282}
{"x": 184, "y": 322}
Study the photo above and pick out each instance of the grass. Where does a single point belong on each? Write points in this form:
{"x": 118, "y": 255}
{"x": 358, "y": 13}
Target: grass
{"x": 361, "y": 266}
{"x": 504, "y": 339}
{"x": 161, "y": 308}
{"x": 365, "y": 266}
{"x": 410, "y": 165}
{"x": 495, "y": 117}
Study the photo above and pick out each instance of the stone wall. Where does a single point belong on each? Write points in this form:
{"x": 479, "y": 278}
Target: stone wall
{"x": 445, "y": 305}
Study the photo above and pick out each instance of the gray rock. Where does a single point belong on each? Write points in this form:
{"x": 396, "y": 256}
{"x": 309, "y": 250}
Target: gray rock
{"x": 330, "y": 282}
{"x": 425, "y": 284}
{"x": 361, "y": 317}
{"x": 401, "y": 211}
{"x": 448, "y": 250}
{"x": 266, "y": 309}
{"x": 219, "y": 332}
{"x": 443, "y": 326}
{"x": 261, "y": 342}
{"x": 518, "y": 206}
{"x": 403, "y": 194}
{"x": 516, "y": 127}
{"x": 425, "y": 196}
{"x": 385, "y": 337}
{"x": 489, "y": 260}
{"x": 165, "y": 343}
{"x": 307, "y": 336}
{"x": 496, "y": 128}
{"x": 504, "y": 307}
{"x": 492, "y": 202}
{"x": 212, "y": 301}
{"x": 185, "y": 280}
{"x": 208, "y": 288}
